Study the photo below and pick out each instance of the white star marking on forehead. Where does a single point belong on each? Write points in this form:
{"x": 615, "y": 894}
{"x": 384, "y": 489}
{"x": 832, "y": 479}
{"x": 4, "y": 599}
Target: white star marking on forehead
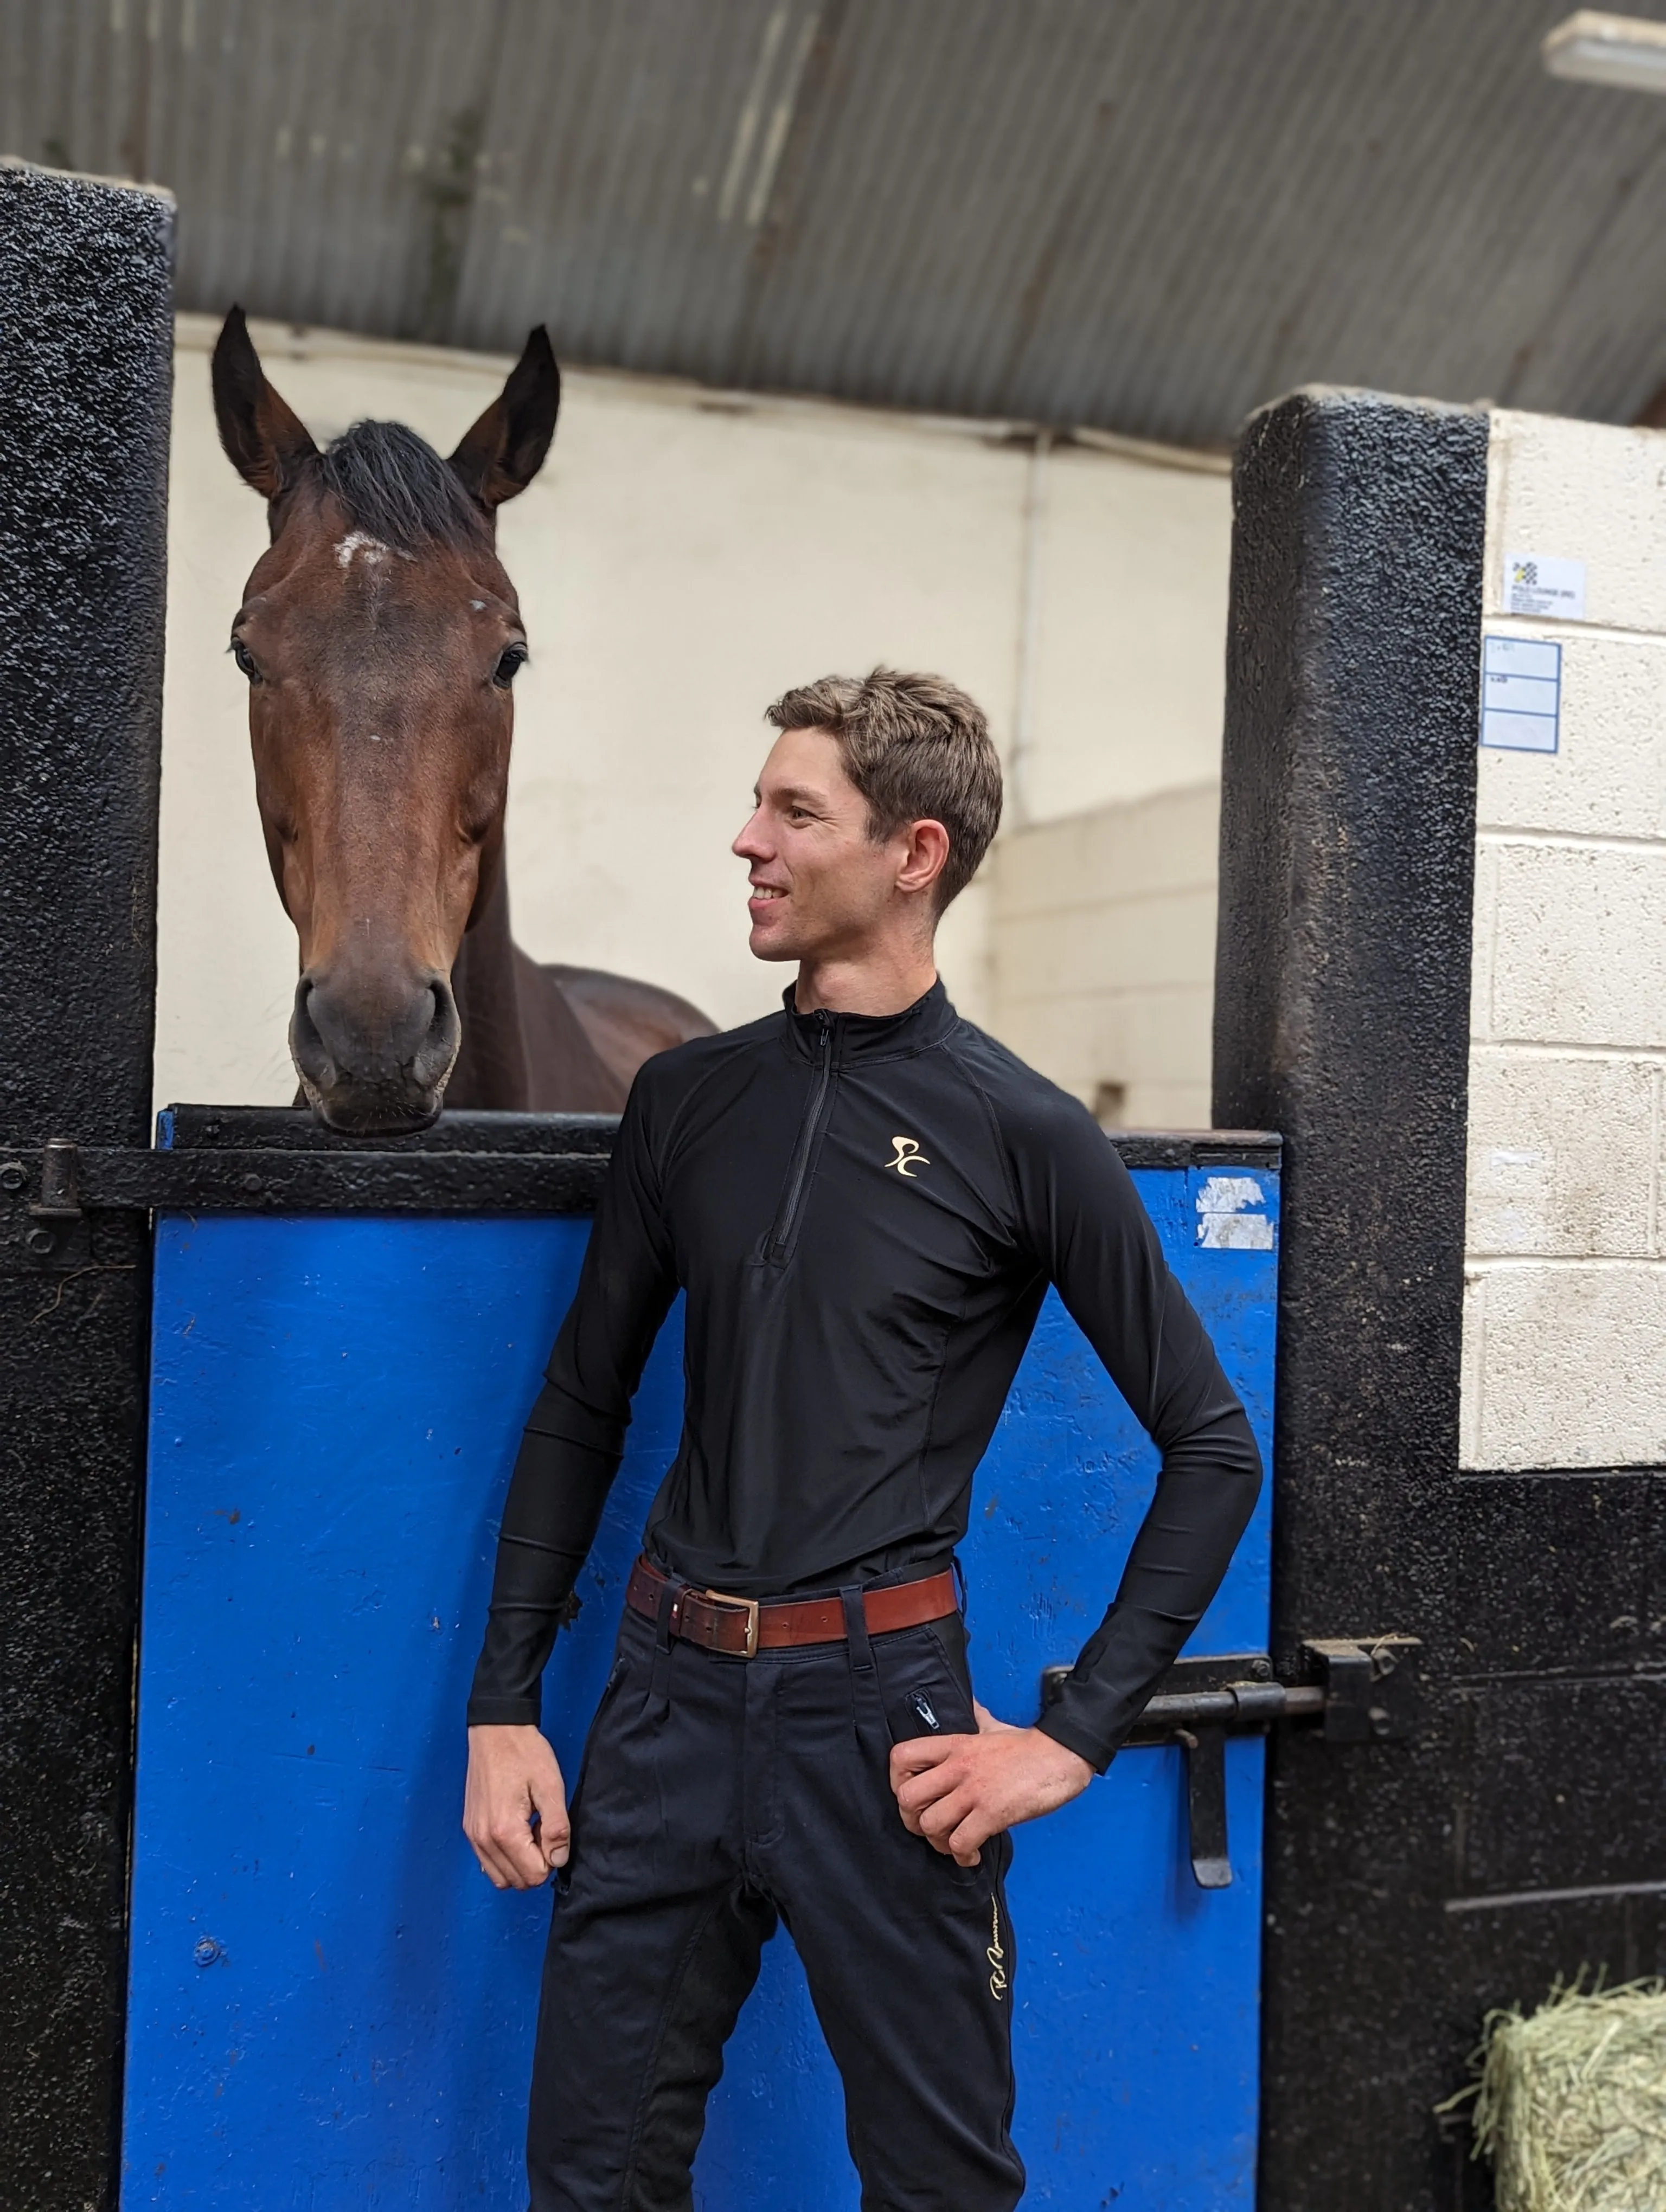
{"x": 372, "y": 549}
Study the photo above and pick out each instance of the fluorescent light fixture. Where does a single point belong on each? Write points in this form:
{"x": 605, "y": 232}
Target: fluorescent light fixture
{"x": 1625, "y": 51}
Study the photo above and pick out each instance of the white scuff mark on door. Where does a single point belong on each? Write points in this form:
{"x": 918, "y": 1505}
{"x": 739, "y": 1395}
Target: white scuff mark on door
{"x": 1231, "y": 1215}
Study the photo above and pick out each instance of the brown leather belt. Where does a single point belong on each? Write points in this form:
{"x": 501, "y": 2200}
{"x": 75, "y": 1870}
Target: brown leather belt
{"x": 741, "y": 1625}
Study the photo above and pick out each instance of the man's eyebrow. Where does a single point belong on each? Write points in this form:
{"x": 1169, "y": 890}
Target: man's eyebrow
{"x": 791, "y": 791}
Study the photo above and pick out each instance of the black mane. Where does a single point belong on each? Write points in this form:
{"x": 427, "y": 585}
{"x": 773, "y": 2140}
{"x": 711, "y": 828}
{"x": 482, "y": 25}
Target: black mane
{"x": 392, "y": 484}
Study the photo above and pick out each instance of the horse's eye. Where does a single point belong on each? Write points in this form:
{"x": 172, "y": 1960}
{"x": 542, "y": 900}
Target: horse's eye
{"x": 244, "y": 660}
{"x": 510, "y": 662}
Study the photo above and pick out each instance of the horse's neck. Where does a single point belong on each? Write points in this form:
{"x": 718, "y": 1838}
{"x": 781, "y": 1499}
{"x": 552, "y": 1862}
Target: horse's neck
{"x": 525, "y": 1048}
{"x": 493, "y": 1066}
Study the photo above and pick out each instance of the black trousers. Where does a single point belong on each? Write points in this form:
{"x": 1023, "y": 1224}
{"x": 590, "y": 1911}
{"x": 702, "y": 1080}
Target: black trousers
{"x": 717, "y": 1796}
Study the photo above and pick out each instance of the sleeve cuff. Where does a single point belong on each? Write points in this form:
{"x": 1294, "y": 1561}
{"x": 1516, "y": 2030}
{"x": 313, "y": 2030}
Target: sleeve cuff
{"x": 504, "y": 1712}
{"x": 1058, "y": 1723}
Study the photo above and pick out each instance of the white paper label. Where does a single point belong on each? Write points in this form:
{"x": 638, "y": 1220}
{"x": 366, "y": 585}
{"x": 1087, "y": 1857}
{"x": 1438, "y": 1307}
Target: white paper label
{"x": 1521, "y": 694}
{"x": 1539, "y": 584}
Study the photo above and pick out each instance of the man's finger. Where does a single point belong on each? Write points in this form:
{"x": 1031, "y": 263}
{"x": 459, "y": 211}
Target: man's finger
{"x": 967, "y": 1841}
{"x": 917, "y": 1797}
{"x": 919, "y": 1753}
{"x": 938, "y": 1822}
{"x": 551, "y": 1831}
{"x": 494, "y": 1871}
{"x": 920, "y": 1790}
{"x": 515, "y": 1849}
{"x": 555, "y": 1841}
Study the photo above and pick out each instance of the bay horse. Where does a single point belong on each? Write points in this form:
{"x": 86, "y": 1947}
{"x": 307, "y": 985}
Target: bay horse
{"x": 380, "y": 637}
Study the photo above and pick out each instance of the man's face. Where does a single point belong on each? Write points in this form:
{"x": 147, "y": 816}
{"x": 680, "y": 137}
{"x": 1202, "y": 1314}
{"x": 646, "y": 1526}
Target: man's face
{"x": 820, "y": 886}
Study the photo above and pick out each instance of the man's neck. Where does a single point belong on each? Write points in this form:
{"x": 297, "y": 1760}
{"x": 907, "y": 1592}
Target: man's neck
{"x": 886, "y": 983}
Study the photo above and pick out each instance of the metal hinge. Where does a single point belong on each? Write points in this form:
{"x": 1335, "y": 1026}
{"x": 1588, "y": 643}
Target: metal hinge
{"x": 1360, "y": 1690}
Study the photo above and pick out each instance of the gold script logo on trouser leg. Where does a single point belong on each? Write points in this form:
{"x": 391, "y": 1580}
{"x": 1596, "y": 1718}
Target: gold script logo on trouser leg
{"x": 996, "y": 1955}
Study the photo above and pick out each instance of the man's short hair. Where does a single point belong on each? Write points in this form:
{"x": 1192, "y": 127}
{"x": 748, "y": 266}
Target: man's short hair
{"x": 917, "y": 749}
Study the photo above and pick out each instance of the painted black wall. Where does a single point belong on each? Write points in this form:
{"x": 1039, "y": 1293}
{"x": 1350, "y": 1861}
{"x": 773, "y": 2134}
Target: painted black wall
{"x": 1410, "y": 1888}
{"x": 1342, "y": 997}
{"x": 86, "y": 339}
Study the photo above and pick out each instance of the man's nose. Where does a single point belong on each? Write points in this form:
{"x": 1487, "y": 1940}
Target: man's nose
{"x": 748, "y": 845}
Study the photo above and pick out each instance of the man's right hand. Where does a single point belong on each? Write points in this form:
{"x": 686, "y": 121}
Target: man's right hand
{"x": 514, "y": 1807}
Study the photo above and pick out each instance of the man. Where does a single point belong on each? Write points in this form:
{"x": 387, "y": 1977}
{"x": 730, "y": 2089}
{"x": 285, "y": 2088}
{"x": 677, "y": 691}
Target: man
{"x": 864, "y": 1200}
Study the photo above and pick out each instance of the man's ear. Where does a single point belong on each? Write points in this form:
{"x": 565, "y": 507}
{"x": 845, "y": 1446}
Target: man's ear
{"x": 927, "y": 857}
{"x": 265, "y": 442}
{"x": 505, "y": 450}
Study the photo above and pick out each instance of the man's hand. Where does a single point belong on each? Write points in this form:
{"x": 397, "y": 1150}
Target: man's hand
{"x": 956, "y": 1791}
{"x": 514, "y": 1807}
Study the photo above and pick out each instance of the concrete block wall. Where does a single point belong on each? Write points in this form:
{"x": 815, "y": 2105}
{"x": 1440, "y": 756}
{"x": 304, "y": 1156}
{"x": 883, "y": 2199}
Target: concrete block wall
{"x": 1103, "y": 950}
{"x": 1564, "y": 1316}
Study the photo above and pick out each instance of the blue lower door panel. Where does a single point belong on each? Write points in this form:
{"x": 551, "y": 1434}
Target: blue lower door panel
{"x": 329, "y": 2006}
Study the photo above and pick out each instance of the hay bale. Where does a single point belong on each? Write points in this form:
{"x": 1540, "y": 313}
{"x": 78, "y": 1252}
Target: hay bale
{"x": 1571, "y": 2101}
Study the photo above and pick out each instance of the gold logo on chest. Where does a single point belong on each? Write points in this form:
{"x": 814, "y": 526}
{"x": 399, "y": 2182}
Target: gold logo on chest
{"x": 908, "y": 1157}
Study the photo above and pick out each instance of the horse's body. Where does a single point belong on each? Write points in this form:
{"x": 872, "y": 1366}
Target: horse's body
{"x": 545, "y": 1039}
{"x": 381, "y": 636}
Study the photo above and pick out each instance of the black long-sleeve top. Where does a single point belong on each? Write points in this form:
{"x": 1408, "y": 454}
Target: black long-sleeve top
{"x": 865, "y": 1212}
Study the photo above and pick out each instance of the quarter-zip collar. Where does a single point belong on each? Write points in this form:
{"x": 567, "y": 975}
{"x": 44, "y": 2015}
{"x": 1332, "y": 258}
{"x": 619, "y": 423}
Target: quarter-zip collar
{"x": 853, "y": 1037}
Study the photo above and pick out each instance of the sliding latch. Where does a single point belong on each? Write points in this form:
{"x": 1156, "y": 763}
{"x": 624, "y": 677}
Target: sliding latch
{"x": 1354, "y": 1690}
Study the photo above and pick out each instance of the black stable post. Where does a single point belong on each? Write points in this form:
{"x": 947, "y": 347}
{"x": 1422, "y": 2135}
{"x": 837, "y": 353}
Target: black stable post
{"x": 86, "y": 339}
{"x": 1341, "y": 1019}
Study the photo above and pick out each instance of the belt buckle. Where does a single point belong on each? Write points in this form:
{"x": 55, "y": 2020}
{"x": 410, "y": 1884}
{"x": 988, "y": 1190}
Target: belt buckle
{"x": 750, "y": 1606}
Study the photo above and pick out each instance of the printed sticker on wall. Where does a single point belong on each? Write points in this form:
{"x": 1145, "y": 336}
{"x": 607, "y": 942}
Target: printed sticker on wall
{"x": 1521, "y": 694}
{"x": 1539, "y": 584}
{"x": 1231, "y": 1215}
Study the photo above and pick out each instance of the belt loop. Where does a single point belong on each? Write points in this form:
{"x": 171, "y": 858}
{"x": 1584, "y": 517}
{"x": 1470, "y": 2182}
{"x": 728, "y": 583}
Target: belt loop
{"x": 855, "y": 1631}
{"x": 659, "y": 1695}
{"x": 866, "y": 1702}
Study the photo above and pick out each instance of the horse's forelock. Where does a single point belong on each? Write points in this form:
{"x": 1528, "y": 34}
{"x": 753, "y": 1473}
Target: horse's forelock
{"x": 392, "y": 485}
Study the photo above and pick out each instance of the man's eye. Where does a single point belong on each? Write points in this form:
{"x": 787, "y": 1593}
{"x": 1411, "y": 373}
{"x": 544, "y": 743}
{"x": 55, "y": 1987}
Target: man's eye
{"x": 510, "y": 662}
{"x": 244, "y": 660}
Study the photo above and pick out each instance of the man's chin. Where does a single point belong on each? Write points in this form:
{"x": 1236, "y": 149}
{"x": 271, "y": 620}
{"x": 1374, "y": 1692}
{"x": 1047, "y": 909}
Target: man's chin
{"x": 766, "y": 944}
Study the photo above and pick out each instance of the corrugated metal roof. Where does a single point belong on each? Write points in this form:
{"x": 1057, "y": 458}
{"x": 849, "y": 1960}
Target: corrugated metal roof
{"x": 1145, "y": 215}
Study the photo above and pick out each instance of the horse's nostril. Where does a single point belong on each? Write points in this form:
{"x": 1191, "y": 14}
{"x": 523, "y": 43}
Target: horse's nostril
{"x": 306, "y": 1045}
{"x": 439, "y": 1047}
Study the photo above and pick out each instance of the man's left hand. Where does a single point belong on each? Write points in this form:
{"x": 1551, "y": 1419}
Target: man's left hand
{"x": 956, "y": 1791}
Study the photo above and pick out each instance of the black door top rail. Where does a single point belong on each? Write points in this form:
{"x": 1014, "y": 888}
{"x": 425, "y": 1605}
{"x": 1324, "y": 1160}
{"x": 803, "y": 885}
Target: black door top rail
{"x": 249, "y": 1160}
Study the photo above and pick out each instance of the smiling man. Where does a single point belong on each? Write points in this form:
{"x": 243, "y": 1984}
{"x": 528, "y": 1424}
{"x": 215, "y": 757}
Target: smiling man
{"x": 864, "y": 1200}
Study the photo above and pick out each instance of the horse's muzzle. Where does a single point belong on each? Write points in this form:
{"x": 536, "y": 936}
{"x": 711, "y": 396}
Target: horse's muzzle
{"x": 374, "y": 1053}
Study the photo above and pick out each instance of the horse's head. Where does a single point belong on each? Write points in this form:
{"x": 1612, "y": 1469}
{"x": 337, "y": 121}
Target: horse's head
{"x": 381, "y": 636}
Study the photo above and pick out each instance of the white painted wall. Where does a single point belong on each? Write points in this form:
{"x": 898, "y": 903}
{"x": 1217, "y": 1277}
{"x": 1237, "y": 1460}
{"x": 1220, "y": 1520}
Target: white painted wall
{"x": 1103, "y": 953}
{"x": 1565, "y": 1317}
{"x": 686, "y": 556}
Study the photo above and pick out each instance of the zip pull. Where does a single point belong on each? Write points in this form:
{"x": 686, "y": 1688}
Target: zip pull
{"x": 780, "y": 1236}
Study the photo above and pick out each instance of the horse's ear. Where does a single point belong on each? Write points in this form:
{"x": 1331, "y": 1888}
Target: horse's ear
{"x": 505, "y": 450}
{"x": 265, "y": 440}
